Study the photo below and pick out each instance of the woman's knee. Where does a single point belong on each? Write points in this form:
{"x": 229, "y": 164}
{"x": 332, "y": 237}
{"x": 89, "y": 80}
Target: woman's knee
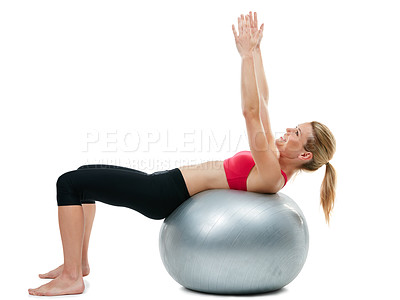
{"x": 66, "y": 195}
{"x": 64, "y": 180}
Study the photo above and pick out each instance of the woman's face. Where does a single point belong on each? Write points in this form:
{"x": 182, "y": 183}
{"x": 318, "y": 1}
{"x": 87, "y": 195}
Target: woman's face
{"x": 291, "y": 144}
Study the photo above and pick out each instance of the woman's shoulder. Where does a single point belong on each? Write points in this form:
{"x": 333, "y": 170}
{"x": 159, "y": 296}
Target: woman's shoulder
{"x": 270, "y": 183}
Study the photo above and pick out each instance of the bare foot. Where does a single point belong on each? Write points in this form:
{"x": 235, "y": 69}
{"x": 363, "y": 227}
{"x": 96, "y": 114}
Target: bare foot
{"x": 62, "y": 285}
{"x": 57, "y": 272}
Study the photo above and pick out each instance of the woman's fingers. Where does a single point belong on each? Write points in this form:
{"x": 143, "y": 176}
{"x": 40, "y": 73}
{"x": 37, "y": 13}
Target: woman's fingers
{"x": 240, "y": 25}
{"x": 251, "y": 20}
{"x": 260, "y": 33}
{"x": 246, "y": 23}
{"x": 234, "y": 32}
{"x": 249, "y": 36}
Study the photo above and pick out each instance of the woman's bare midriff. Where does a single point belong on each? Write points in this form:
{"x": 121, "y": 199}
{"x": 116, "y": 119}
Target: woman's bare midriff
{"x": 205, "y": 176}
{"x": 211, "y": 175}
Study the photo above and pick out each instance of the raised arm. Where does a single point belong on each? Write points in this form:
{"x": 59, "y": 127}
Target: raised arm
{"x": 260, "y": 76}
{"x": 266, "y": 161}
{"x": 245, "y": 43}
{"x": 262, "y": 85}
{"x": 258, "y": 63}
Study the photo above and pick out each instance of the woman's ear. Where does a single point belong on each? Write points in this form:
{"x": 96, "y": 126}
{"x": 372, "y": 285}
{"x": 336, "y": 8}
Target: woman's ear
{"x": 305, "y": 156}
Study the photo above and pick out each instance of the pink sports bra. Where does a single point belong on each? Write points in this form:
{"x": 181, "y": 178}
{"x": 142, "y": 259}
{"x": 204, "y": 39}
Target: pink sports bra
{"x": 237, "y": 169}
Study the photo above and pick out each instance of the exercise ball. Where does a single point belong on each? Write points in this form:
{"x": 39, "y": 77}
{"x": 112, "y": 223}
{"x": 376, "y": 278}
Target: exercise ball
{"x": 234, "y": 242}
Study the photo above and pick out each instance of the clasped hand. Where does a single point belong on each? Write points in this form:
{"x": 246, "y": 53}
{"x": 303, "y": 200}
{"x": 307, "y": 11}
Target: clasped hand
{"x": 250, "y": 36}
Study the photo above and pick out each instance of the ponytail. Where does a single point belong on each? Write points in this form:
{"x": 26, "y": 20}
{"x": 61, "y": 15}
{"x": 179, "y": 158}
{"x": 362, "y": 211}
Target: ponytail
{"x": 328, "y": 191}
{"x": 322, "y": 145}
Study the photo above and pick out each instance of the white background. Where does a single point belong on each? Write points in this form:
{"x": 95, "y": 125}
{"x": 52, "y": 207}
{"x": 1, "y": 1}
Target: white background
{"x": 76, "y": 75}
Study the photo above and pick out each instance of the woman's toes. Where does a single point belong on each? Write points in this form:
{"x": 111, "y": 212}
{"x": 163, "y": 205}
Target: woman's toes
{"x": 52, "y": 274}
{"x": 49, "y": 275}
{"x": 32, "y": 292}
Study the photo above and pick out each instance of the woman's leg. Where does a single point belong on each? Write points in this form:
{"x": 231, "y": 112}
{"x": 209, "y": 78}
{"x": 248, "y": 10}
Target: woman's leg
{"x": 153, "y": 195}
{"x": 89, "y": 211}
{"x": 70, "y": 281}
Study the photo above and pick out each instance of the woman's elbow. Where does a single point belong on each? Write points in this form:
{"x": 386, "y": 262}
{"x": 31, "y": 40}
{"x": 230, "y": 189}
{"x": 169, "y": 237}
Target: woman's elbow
{"x": 250, "y": 113}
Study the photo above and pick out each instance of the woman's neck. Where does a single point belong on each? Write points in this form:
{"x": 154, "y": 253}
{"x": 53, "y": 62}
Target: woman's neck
{"x": 288, "y": 166}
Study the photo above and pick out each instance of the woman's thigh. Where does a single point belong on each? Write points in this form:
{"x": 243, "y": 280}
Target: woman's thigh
{"x": 153, "y": 195}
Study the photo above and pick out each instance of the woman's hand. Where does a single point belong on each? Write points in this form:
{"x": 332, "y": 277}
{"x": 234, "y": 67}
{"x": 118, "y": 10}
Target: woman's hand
{"x": 254, "y": 27}
{"x": 249, "y": 37}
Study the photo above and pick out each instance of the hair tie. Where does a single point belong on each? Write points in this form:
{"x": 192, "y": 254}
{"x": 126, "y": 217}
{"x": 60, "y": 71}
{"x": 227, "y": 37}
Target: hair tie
{"x": 327, "y": 163}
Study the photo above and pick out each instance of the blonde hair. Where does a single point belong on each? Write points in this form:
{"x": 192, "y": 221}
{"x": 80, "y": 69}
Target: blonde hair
{"x": 323, "y": 145}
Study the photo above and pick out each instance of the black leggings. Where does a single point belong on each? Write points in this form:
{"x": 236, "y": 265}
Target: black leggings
{"x": 154, "y": 195}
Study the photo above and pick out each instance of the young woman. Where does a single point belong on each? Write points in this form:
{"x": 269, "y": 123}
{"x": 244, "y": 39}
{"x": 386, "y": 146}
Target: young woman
{"x": 264, "y": 169}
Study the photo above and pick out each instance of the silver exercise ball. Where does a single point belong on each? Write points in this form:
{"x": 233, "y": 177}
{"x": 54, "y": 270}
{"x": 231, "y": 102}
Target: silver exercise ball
{"x": 234, "y": 242}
